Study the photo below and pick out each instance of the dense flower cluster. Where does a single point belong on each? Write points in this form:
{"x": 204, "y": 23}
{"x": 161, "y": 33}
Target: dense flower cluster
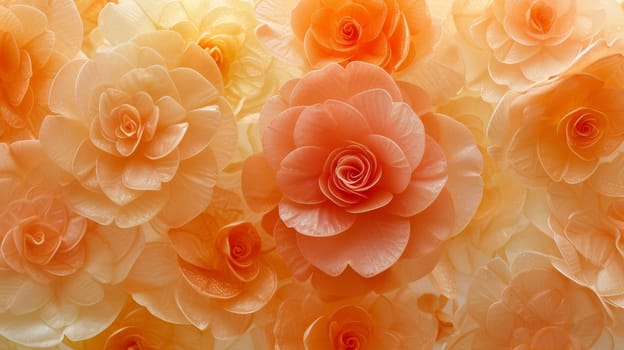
{"x": 311, "y": 174}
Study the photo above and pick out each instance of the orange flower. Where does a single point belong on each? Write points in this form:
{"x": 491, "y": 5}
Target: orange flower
{"x": 36, "y": 39}
{"x": 145, "y": 131}
{"x": 514, "y": 44}
{"x": 530, "y": 305}
{"x": 389, "y": 33}
{"x": 136, "y": 328}
{"x": 214, "y": 271}
{"x": 374, "y": 322}
{"x": 563, "y": 129}
{"x": 361, "y": 178}
{"x": 58, "y": 269}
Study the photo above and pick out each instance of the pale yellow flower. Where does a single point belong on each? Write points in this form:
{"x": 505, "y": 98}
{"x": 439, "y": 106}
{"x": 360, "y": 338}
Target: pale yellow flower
{"x": 225, "y": 29}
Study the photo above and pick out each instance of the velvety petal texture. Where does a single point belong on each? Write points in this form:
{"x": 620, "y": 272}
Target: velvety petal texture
{"x": 145, "y": 134}
{"x": 360, "y": 172}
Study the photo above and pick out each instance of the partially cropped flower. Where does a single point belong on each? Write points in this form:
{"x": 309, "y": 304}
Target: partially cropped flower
{"x": 531, "y": 305}
{"x": 225, "y": 29}
{"x": 587, "y": 228}
{"x": 563, "y": 129}
{"x": 392, "y": 321}
{"x": 360, "y": 178}
{"x": 6, "y": 344}
{"x": 500, "y": 213}
{"x": 136, "y": 328}
{"x": 59, "y": 270}
{"x": 89, "y": 12}
{"x": 518, "y": 43}
{"x": 145, "y": 130}
{"x": 214, "y": 272}
{"x": 400, "y": 36}
{"x": 37, "y": 38}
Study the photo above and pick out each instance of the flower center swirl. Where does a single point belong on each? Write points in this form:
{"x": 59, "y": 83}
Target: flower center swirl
{"x": 349, "y": 173}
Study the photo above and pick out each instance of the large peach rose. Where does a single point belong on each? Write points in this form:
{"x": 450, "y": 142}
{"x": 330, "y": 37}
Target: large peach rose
{"x": 359, "y": 177}
{"x": 59, "y": 271}
{"x": 514, "y": 44}
{"x": 37, "y": 38}
{"x": 144, "y": 131}
{"x": 392, "y": 321}
{"x": 224, "y": 29}
{"x": 563, "y": 129}
{"x": 215, "y": 272}
{"x": 530, "y": 305}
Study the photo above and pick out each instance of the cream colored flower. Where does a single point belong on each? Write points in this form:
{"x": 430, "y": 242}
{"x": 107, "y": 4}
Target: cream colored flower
{"x": 36, "y": 39}
{"x": 530, "y": 305}
{"x": 89, "y": 12}
{"x": 58, "y": 269}
{"x": 514, "y": 44}
{"x": 224, "y": 29}
{"x": 144, "y": 128}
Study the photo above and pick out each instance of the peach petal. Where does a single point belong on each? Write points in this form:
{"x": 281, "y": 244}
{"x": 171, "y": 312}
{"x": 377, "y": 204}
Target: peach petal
{"x": 161, "y": 302}
{"x": 83, "y": 290}
{"x": 431, "y": 227}
{"x": 287, "y": 248}
{"x": 165, "y": 141}
{"x": 298, "y": 175}
{"x": 203, "y": 124}
{"x": 156, "y": 268}
{"x": 19, "y": 329}
{"x": 99, "y": 140}
{"x": 144, "y": 174}
{"x": 194, "y": 89}
{"x": 40, "y": 49}
{"x": 208, "y": 282}
{"x": 395, "y": 121}
{"x": 389, "y": 235}
{"x": 277, "y": 140}
{"x": 109, "y": 177}
{"x": 191, "y": 189}
{"x": 316, "y": 221}
{"x": 142, "y": 209}
{"x": 587, "y": 235}
{"x": 95, "y": 206}
{"x": 465, "y": 163}
{"x": 425, "y": 184}
{"x": 169, "y": 111}
{"x": 255, "y": 294}
{"x": 153, "y": 80}
{"x": 191, "y": 249}
{"x": 84, "y": 165}
{"x": 329, "y": 125}
{"x": 396, "y": 170}
{"x": 62, "y": 150}
{"x": 560, "y": 164}
{"x": 317, "y": 336}
{"x": 195, "y": 307}
{"x": 318, "y": 55}
{"x": 373, "y": 201}
{"x": 258, "y": 184}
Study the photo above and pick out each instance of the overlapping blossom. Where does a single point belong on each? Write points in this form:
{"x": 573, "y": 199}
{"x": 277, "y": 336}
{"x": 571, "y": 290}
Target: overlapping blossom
{"x": 514, "y": 44}
{"x": 362, "y": 176}
{"x": 373, "y": 322}
{"x": 214, "y": 272}
{"x": 565, "y": 128}
{"x": 145, "y": 131}
{"x": 37, "y": 39}
{"x": 59, "y": 271}
{"x": 224, "y": 29}
{"x": 530, "y": 305}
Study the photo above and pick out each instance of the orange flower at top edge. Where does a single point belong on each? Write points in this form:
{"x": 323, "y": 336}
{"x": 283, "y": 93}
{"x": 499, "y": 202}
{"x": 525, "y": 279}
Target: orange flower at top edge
{"x": 363, "y": 180}
{"x": 387, "y": 33}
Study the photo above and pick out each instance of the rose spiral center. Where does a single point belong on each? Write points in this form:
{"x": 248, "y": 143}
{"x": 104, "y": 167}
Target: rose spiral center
{"x": 541, "y": 17}
{"x": 585, "y": 128}
{"x": 350, "y": 340}
{"x": 38, "y": 238}
{"x": 129, "y": 122}
{"x": 349, "y": 173}
{"x": 348, "y": 31}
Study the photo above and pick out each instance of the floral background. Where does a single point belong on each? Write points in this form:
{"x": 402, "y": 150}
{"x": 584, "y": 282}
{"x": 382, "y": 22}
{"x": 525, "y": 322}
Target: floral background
{"x": 312, "y": 174}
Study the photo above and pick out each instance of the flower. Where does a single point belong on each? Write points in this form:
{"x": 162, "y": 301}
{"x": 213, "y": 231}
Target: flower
{"x": 59, "y": 270}
{"x": 388, "y": 33}
{"x": 563, "y": 129}
{"x": 392, "y": 321}
{"x": 530, "y": 305}
{"x": 145, "y": 131}
{"x": 224, "y": 29}
{"x": 136, "y": 328}
{"x": 89, "y": 12}
{"x": 523, "y": 42}
{"x": 214, "y": 272}
{"x": 359, "y": 177}
{"x": 37, "y": 39}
